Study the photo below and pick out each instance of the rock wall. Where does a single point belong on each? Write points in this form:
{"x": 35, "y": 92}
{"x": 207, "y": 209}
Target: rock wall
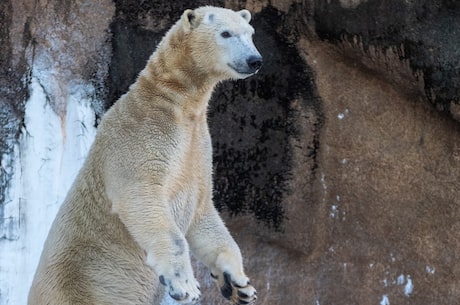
{"x": 335, "y": 167}
{"x": 54, "y": 58}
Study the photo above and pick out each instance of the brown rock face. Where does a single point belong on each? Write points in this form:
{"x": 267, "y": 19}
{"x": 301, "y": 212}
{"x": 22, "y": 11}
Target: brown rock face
{"x": 385, "y": 216}
{"x": 336, "y": 167}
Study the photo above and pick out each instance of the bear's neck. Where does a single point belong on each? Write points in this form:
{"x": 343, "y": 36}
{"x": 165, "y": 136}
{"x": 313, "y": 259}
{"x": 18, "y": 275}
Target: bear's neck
{"x": 172, "y": 72}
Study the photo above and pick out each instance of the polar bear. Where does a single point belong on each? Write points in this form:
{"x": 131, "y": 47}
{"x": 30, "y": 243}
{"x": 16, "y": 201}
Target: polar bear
{"x": 143, "y": 198}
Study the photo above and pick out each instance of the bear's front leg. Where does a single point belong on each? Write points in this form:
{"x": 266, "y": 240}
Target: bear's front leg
{"x": 146, "y": 215}
{"x": 231, "y": 280}
{"x": 175, "y": 271}
{"x": 211, "y": 242}
{"x": 172, "y": 265}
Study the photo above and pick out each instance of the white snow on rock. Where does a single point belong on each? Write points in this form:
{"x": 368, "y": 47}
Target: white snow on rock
{"x": 385, "y": 300}
{"x": 50, "y": 153}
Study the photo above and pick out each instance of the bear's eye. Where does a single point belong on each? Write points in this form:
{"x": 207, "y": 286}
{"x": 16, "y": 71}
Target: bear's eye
{"x": 226, "y": 34}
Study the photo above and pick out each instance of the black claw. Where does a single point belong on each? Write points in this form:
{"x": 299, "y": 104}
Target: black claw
{"x": 175, "y": 297}
{"x": 214, "y": 276}
{"x": 226, "y": 289}
{"x": 178, "y": 297}
{"x": 227, "y": 277}
{"x": 162, "y": 280}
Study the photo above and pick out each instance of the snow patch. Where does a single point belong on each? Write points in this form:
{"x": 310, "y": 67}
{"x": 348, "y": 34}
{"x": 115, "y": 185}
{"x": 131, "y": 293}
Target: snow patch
{"x": 9, "y": 224}
{"x": 51, "y": 150}
{"x": 385, "y": 300}
{"x": 269, "y": 272}
{"x": 323, "y": 182}
{"x": 334, "y": 211}
{"x": 401, "y": 280}
{"x": 430, "y": 270}
{"x": 409, "y": 286}
{"x": 342, "y": 115}
{"x": 392, "y": 257}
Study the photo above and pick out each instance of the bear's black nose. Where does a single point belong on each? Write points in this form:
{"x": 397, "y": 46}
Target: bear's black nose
{"x": 254, "y": 63}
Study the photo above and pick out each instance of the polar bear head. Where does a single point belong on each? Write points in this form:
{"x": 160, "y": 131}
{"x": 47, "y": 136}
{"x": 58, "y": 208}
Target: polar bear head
{"x": 221, "y": 41}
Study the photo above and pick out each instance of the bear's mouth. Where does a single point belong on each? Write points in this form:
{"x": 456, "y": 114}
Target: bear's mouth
{"x": 244, "y": 71}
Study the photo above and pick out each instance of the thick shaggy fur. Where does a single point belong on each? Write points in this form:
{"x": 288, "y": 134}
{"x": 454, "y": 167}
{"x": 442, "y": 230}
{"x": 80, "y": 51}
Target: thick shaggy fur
{"x": 142, "y": 200}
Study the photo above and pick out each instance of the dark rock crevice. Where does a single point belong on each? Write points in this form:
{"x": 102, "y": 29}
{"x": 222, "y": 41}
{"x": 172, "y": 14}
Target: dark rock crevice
{"x": 426, "y": 33}
{"x": 13, "y": 94}
{"x": 253, "y": 128}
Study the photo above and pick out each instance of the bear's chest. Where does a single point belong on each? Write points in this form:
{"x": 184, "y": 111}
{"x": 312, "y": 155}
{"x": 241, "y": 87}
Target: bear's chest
{"x": 191, "y": 179}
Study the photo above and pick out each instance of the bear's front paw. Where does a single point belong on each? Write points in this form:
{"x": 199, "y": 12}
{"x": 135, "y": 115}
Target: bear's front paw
{"x": 184, "y": 291}
{"x": 237, "y": 292}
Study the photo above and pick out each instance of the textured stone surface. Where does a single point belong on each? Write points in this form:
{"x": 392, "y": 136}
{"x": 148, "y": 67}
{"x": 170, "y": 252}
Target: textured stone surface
{"x": 370, "y": 217}
{"x": 64, "y": 45}
{"x": 424, "y": 33}
{"x": 12, "y": 94}
{"x": 390, "y": 165}
{"x": 336, "y": 167}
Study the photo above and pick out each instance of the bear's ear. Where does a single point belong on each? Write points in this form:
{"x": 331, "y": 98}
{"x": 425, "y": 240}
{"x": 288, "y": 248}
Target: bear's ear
{"x": 245, "y": 14}
{"x": 190, "y": 19}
